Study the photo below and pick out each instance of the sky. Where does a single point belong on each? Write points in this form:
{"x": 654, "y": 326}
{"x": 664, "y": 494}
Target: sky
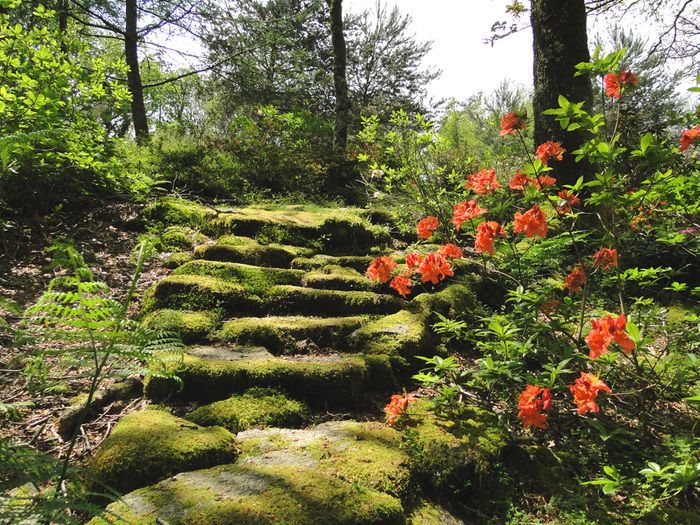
{"x": 458, "y": 29}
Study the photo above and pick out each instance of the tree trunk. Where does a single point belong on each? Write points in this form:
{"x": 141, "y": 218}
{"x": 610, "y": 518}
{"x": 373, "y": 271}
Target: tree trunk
{"x": 342, "y": 98}
{"x": 560, "y": 42}
{"x": 62, "y": 13}
{"x": 138, "y": 108}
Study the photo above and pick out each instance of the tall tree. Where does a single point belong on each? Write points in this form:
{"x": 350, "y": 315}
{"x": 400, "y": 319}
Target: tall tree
{"x": 131, "y": 55}
{"x": 560, "y": 41}
{"x": 340, "y": 81}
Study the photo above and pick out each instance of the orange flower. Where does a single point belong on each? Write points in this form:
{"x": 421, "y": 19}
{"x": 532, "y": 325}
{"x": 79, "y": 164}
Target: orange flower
{"x": 427, "y": 226}
{"x": 463, "y": 211}
{"x": 520, "y": 181}
{"x": 486, "y": 233}
{"x": 549, "y": 150}
{"x": 605, "y": 258}
{"x": 605, "y": 331}
{"x": 451, "y": 250}
{"x": 531, "y": 403}
{"x": 614, "y": 82}
{"x": 413, "y": 260}
{"x": 397, "y": 406}
{"x": 511, "y": 122}
{"x": 402, "y": 284}
{"x": 567, "y": 201}
{"x": 434, "y": 268}
{"x": 544, "y": 181}
{"x": 688, "y": 137}
{"x": 532, "y": 222}
{"x": 482, "y": 182}
{"x": 575, "y": 280}
{"x": 380, "y": 269}
{"x": 585, "y": 389}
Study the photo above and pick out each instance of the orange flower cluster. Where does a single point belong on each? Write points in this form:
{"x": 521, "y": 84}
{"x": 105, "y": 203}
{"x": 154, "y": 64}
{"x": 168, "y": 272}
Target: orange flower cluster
{"x": 380, "y": 269}
{"x": 688, "y": 137}
{"x": 585, "y": 389}
{"x": 567, "y": 200}
{"x": 486, "y": 233}
{"x": 427, "y": 226}
{"x": 615, "y": 81}
{"x": 605, "y": 258}
{"x": 511, "y": 122}
{"x": 532, "y": 222}
{"x": 434, "y": 268}
{"x": 450, "y": 250}
{"x": 575, "y": 280}
{"x": 413, "y": 260}
{"x": 463, "y": 211}
{"x": 402, "y": 284}
{"x": 482, "y": 182}
{"x": 550, "y": 150}
{"x": 532, "y": 402}
{"x": 398, "y": 406}
{"x": 544, "y": 181}
{"x": 605, "y": 331}
{"x": 520, "y": 181}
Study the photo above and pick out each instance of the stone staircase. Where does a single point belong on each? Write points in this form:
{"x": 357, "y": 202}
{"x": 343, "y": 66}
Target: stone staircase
{"x": 283, "y": 330}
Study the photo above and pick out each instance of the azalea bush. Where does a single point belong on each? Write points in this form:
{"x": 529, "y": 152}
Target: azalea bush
{"x": 593, "y": 349}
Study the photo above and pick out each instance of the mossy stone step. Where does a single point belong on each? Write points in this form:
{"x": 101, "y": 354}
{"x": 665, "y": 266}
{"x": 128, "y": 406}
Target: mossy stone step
{"x": 257, "y": 407}
{"x": 230, "y": 248}
{"x": 214, "y": 373}
{"x": 193, "y": 326}
{"x": 404, "y": 334}
{"x": 369, "y": 455}
{"x": 335, "y": 277}
{"x": 359, "y": 263}
{"x": 150, "y": 445}
{"x": 254, "y": 495}
{"x": 294, "y": 299}
{"x": 254, "y": 279}
{"x": 281, "y": 335}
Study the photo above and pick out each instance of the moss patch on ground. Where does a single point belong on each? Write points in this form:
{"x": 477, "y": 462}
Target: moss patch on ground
{"x": 334, "y": 277}
{"x": 151, "y": 445}
{"x": 366, "y": 454}
{"x": 170, "y": 211}
{"x": 258, "y": 407}
{"x": 329, "y": 381}
{"x": 192, "y": 326}
{"x": 253, "y": 279}
{"x": 280, "y": 334}
{"x": 255, "y": 495}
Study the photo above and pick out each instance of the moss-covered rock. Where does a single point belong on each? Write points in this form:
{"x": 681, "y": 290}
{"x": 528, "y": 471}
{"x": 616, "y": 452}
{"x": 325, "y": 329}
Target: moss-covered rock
{"x": 199, "y": 292}
{"x": 281, "y": 334}
{"x": 273, "y": 255}
{"x": 332, "y": 381}
{"x": 180, "y": 238}
{"x": 455, "y": 459}
{"x": 456, "y": 300}
{"x": 404, "y": 334}
{"x": 191, "y": 326}
{"x": 150, "y": 445}
{"x": 253, "y": 279}
{"x": 258, "y": 407}
{"x": 169, "y": 211}
{"x": 335, "y": 277}
{"x": 293, "y": 299}
{"x": 427, "y": 513}
{"x": 369, "y": 455}
{"x": 359, "y": 263}
{"x": 254, "y": 495}
{"x": 177, "y": 259}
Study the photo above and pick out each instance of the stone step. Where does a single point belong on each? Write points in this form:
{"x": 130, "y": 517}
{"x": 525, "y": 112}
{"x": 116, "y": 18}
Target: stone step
{"x": 358, "y": 263}
{"x": 295, "y": 299}
{"x": 282, "y": 334}
{"x": 334, "y": 277}
{"x": 244, "y": 250}
{"x": 210, "y": 373}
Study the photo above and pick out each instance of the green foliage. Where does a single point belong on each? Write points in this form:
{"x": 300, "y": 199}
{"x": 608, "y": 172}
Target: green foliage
{"x": 53, "y": 144}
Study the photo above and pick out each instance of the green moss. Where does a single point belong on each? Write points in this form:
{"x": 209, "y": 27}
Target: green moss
{"x": 258, "y": 407}
{"x": 339, "y": 278}
{"x": 359, "y": 263}
{"x": 679, "y": 314}
{"x": 292, "y": 299}
{"x": 198, "y": 292}
{"x": 456, "y": 300}
{"x": 427, "y": 513}
{"x": 403, "y": 334}
{"x": 254, "y": 279}
{"x": 180, "y": 238}
{"x": 178, "y": 259}
{"x": 455, "y": 459}
{"x": 150, "y": 445}
{"x": 255, "y": 495}
{"x": 192, "y": 326}
{"x": 279, "y": 334}
{"x": 332, "y": 381}
{"x": 170, "y": 211}
{"x": 273, "y": 255}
